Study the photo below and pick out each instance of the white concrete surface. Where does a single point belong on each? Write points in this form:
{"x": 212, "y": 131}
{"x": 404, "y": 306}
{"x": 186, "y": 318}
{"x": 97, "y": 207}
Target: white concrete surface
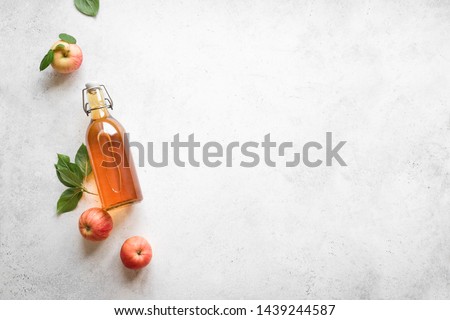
{"x": 375, "y": 73}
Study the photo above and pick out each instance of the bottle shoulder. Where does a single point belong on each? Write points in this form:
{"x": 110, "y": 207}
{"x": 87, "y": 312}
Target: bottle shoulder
{"x": 106, "y": 120}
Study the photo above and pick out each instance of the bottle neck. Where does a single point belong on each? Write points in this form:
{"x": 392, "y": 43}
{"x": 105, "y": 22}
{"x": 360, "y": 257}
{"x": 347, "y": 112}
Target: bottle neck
{"x": 97, "y": 104}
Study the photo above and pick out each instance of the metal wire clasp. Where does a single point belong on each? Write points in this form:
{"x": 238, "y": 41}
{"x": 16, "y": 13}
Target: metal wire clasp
{"x": 108, "y": 99}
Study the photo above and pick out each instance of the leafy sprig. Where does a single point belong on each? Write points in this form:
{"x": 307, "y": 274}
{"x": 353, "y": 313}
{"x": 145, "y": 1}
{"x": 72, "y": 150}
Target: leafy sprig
{"x": 72, "y": 175}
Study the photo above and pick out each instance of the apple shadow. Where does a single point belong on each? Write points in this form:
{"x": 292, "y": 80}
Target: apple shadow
{"x": 130, "y": 274}
{"x": 90, "y": 247}
{"x": 139, "y": 275}
{"x": 55, "y": 79}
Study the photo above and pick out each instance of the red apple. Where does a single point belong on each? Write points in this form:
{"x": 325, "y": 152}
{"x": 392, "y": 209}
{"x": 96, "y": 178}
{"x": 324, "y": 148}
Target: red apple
{"x": 67, "y": 59}
{"x": 136, "y": 253}
{"x": 95, "y": 224}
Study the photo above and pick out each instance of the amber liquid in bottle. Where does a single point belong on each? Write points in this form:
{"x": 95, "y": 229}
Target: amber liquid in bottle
{"x": 111, "y": 160}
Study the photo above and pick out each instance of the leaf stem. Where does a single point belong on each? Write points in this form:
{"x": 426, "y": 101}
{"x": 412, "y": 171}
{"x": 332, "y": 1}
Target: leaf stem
{"x": 84, "y": 190}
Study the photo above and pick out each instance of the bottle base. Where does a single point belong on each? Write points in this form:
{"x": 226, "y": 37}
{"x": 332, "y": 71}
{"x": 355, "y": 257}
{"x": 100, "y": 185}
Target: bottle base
{"x": 122, "y": 204}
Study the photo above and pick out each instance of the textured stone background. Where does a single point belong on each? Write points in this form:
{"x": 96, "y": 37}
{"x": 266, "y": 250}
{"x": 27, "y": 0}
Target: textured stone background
{"x": 375, "y": 73}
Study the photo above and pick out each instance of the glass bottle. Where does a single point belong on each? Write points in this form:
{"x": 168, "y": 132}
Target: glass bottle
{"x": 110, "y": 156}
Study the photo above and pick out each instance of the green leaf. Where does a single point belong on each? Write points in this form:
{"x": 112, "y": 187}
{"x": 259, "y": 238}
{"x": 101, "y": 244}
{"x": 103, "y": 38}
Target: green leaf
{"x": 59, "y": 46}
{"x": 71, "y": 175}
{"x": 88, "y": 7}
{"x": 76, "y": 169}
{"x": 69, "y": 172}
{"x": 47, "y": 60}
{"x": 82, "y": 160}
{"x": 63, "y": 161}
{"x": 67, "y": 38}
{"x": 61, "y": 180}
{"x": 68, "y": 200}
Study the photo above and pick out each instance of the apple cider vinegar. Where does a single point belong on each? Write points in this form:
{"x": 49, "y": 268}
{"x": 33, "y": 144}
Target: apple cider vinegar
{"x": 111, "y": 160}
